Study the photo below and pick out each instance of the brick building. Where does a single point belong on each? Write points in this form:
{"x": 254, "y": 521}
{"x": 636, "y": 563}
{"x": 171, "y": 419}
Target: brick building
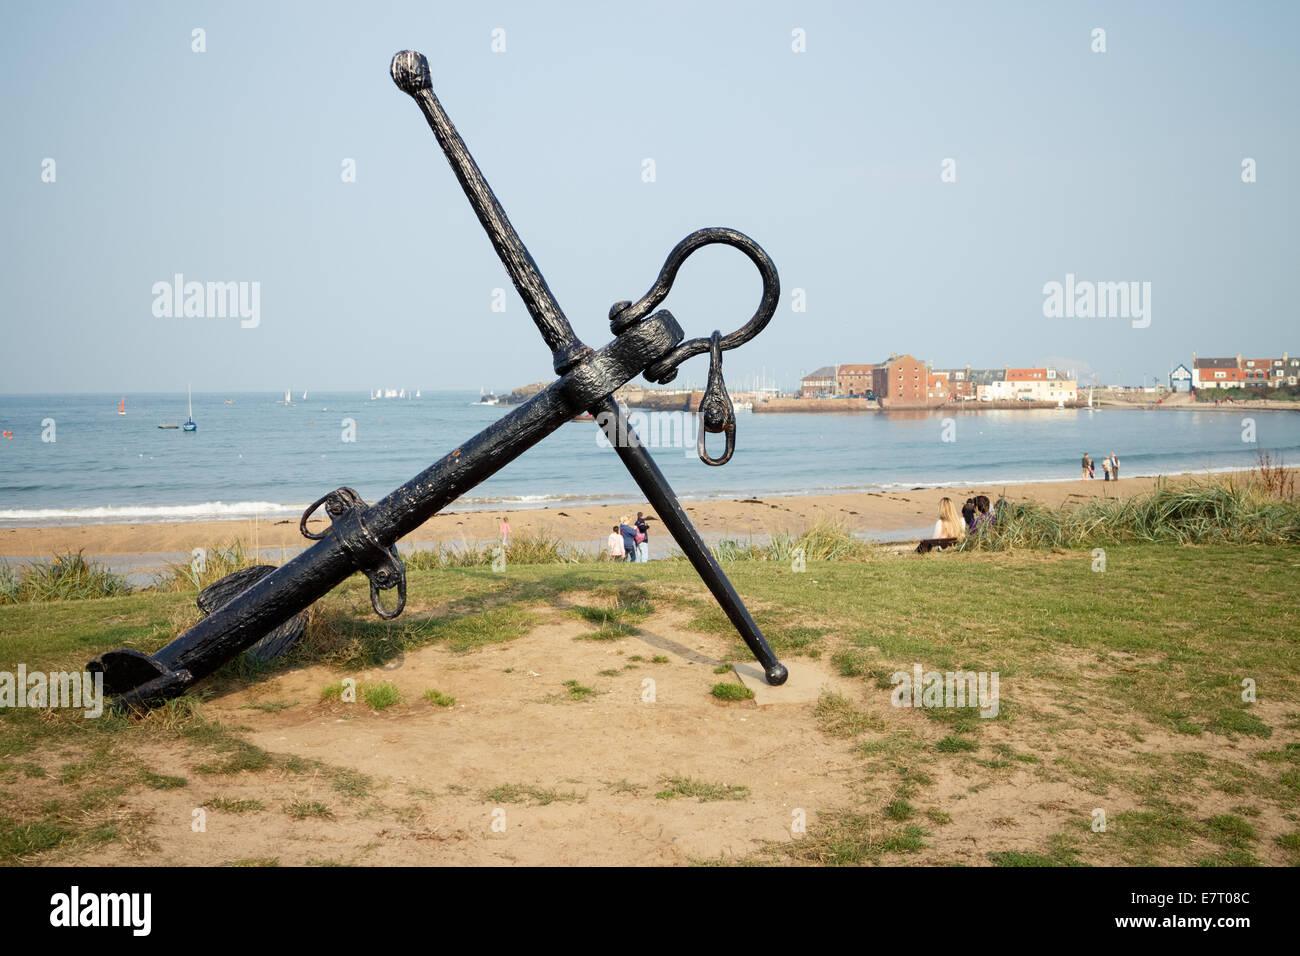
{"x": 855, "y": 381}
{"x": 819, "y": 384}
{"x": 903, "y": 381}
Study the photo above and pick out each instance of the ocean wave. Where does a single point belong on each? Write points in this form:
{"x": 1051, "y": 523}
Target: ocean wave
{"x": 116, "y": 514}
{"x": 244, "y": 510}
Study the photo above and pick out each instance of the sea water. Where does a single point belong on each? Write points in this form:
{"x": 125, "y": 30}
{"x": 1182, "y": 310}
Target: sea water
{"x": 257, "y": 455}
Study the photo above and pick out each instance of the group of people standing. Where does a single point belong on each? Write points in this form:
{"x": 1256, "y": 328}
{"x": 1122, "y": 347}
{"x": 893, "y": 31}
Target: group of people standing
{"x": 1109, "y": 467}
{"x": 630, "y": 540}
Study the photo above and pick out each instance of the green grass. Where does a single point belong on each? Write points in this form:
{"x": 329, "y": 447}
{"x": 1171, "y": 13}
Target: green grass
{"x": 839, "y": 717}
{"x": 578, "y": 691}
{"x": 217, "y": 562}
{"x": 700, "y": 790}
{"x": 381, "y": 696}
{"x": 304, "y": 809}
{"x": 621, "y": 616}
{"x": 233, "y": 805}
{"x": 1154, "y": 649}
{"x": 729, "y": 691}
{"x": 65, "y": 577}
{"x": 1238, "y": 511}
{"x": 519, "y": 793}
{"x": 439, "y": 699}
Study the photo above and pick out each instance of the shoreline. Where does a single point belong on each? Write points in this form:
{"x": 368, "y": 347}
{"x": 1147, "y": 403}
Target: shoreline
{"x": 888, "y": 512}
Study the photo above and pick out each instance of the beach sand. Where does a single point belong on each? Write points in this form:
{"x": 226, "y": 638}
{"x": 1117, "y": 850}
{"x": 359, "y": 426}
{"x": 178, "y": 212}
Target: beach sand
{"x": 887, "y": 513}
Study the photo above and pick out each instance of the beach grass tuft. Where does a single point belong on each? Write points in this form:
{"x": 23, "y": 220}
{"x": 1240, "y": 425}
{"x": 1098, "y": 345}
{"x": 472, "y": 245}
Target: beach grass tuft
{"x": 65, "y": 577}
{"x": 1253, "y": 510}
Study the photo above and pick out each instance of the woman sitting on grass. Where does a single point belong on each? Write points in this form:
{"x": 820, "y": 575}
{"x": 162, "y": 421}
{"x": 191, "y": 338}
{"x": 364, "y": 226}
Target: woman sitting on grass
{"x": 983, "y": 514}
{"x": 950, "y": 524}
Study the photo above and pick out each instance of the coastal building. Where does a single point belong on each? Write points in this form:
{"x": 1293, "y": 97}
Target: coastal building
{"x": 1290, "y": 371}
{"x": 982, "y": 381}
{"x": 855, "y": 381}
{"x": 1216, "y": 372}
{"x": 903, "y": 381}
{"x": 820, "y": 384}
{"x": 1031, "y": 385}
{"x": 1238, "y": 372}
{"x": 1180, "y": 379}
{"x": 1258, "y": 372}
{"x": 957, "y": 382}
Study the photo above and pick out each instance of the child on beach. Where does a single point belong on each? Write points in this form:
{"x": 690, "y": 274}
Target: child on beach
{"x": 642, "y": 538}
{"x": 615, "y": 544}
{"x": 505, "y": 533}
{"x": 1086, "y": 461}
{"x": 1105, "y": 468}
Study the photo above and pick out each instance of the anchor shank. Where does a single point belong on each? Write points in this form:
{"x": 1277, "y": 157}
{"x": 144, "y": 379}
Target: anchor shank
{"x": 639, "y": 462}
{"x": 411, "y": 73}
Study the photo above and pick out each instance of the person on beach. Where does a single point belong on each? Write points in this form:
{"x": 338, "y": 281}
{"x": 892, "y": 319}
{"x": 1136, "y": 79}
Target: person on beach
{"x": 968, "y": 513}
{"x": 642, "y": 538}
{"x": 1114, "y": 467}
{"x": 615, "y": 544}
{"x": 505, "y": 533}
{"x": 629, "y": 538}
{"x": 1092, "y": 468}
{"x": 1105, "y": 468}
{"x": 1086, "y": 459}
{"x": 949, "y": 524}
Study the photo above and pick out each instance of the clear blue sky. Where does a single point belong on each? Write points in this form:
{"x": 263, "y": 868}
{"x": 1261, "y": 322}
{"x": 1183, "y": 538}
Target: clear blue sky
{"x": 225, "y": 165}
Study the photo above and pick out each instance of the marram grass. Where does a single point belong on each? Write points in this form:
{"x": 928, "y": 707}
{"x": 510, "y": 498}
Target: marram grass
{"x": 1225, "y": 512}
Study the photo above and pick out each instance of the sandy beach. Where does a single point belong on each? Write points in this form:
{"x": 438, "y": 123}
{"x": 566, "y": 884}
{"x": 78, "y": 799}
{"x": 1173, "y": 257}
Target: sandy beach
{"x": 887, "y": 513}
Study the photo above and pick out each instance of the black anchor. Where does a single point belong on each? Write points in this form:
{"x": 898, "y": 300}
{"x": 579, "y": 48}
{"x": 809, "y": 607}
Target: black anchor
{"x": 266, "y": 608}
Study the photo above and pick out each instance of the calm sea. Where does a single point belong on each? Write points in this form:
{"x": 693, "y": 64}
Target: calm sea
{"x": 256, "y": 455}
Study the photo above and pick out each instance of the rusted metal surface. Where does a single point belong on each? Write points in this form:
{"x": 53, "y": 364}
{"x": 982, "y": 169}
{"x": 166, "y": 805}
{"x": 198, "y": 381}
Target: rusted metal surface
{"x": 363, "y": 537}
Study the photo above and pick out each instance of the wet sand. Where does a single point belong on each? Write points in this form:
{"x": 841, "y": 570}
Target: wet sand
{"x": 884, "y": 513}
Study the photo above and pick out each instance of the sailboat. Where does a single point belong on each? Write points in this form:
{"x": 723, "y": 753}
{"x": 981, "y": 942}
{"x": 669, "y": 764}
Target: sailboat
{"x": 189, "y": 425}
{"x": 417, "y": 393}
{"x": 121, "y": 409}
{"x": 304, "y": 395}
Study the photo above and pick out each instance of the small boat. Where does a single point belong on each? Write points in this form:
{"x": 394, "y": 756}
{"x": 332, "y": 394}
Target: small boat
{"x": 486, "y": 398}
{"x": 287, "y": 400}
{"x": 121, "y": 409}
{"x": 304, "y": 394}
{"x": 584, "y": 417}
{"x": 189, "y": 425}
{"x": 417, "y": 393}
{"x": 167, "y": 425}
